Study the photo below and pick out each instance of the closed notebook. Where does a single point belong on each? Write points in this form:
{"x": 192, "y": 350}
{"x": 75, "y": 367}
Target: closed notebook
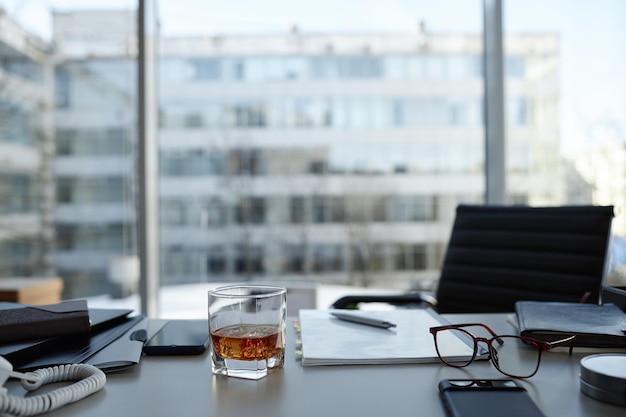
{"x": 37, "y": 322}
{"x": 593, "y": 325}
{"x": 113, "y": 342}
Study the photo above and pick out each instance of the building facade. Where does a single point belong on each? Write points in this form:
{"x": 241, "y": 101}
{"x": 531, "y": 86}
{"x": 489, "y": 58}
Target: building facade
{"x": 95, "y": 162}
{"x": 292, "y": 157}
{"x": 339, "y": 158}
{"x": 26, "y": 152}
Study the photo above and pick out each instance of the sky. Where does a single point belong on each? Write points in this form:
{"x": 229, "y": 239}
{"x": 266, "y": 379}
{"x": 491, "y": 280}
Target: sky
{"x": 593, "y": 58}
{"x": 201, "y": 17}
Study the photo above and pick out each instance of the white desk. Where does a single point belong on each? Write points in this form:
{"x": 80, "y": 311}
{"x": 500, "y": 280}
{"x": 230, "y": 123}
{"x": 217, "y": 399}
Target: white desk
{"x": 184, "y": 386}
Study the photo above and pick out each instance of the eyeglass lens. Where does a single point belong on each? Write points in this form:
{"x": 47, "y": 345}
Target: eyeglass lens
{"x": 514, "y": 357}
{"x": 509, "y": 354}
{"x": 455, "y": 347}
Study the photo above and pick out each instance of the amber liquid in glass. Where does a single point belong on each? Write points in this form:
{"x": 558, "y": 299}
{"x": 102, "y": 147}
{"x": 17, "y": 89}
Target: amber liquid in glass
{"x": 247, "y": 342}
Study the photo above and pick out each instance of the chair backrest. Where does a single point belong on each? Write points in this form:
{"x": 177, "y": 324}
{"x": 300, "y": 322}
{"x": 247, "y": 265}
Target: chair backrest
{"x": 498, "y": 255}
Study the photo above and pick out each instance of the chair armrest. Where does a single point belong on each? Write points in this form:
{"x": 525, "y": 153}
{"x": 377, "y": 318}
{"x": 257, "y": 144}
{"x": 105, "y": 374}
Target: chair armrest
{"x": 412, "y": 298}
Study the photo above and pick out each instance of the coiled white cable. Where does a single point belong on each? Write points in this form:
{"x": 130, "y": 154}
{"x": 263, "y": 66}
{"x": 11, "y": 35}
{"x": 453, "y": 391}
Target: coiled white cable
{"x": 89, "y": 379}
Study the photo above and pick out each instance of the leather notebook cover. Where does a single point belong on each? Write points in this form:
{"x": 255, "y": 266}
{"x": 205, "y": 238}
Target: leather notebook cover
{"x": 80, "y": 348}
{"x": 111, "y": 342}
{"x": 36, "y": 322}
{"x": 100, "y": 319}
{"x": 594, "y": 325}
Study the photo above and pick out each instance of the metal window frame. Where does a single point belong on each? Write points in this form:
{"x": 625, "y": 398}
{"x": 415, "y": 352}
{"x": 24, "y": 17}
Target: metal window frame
{"x": 494, "y": 114}
{"x": 148, "y": 204}
{"x": 147, "y": 158}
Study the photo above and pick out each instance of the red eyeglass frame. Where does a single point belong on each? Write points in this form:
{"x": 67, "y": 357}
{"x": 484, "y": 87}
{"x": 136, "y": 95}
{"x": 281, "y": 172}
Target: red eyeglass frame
{"x": 539, "y": 344}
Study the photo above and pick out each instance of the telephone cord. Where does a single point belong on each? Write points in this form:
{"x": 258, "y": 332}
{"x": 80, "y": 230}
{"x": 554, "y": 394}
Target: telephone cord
{"x": 89, "y": 380}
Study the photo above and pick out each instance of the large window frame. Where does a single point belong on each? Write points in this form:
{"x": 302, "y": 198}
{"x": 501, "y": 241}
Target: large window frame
{"x": 148, "y": 204}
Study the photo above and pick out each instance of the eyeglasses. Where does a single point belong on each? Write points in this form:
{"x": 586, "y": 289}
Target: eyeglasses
{"x": 514, "y": 356}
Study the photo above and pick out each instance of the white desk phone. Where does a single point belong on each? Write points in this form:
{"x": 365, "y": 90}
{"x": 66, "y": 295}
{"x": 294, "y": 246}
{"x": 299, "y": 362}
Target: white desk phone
{"x": 89, "y": 380}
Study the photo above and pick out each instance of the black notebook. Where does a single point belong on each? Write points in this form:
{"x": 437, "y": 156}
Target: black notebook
{"x": 38, "y": 322}
{"x": 594, "y": 325}
{"x": 110, "y": 328}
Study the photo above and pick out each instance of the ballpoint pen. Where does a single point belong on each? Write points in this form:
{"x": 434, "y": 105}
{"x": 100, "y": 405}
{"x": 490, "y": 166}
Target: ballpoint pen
{"x": 368, "y": 321}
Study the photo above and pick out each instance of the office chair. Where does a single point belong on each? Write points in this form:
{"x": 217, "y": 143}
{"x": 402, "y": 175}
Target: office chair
{"x": 498, "y": 255}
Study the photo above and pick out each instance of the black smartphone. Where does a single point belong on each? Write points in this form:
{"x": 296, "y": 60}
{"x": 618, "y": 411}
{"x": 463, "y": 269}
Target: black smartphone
{"x": 486, "y": 397}
{"x": 179, "y": 337}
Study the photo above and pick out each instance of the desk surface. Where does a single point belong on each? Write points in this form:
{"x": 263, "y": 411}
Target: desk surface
{"x": 172, "y": 386}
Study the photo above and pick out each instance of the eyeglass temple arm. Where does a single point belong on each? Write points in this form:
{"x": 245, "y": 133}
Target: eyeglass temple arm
{"x": 556, "y": 343}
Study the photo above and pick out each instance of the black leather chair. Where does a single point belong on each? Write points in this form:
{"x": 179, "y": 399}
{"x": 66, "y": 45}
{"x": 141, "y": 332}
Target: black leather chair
{"x": 498, "y": 255}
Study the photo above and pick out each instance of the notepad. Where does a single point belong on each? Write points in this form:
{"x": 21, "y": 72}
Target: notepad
{"x": 327, "y": 340}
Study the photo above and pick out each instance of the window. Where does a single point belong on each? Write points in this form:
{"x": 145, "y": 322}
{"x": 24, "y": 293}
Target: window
{"x": 289, "y": 141}
{"x": 216, "y": 261}
{"x": 295, "y": 259}
{"x": 411, "y": 209}
{"x": 410, "y": 257}
{"x": 250, "y": 210}
{"x": 206, "y": 69}
{"x": 558, "y": 105}
{"x": 248, "y": 260}
{"x": 62, "y": 89}
{"x": 173, "y": 212}
{"x": 327, "y": 258}
{"x": 297, "y": 210}
{"x": 327, "y": 209}
{"x": 248, "y": 162}
{"x": 215, "y": 214}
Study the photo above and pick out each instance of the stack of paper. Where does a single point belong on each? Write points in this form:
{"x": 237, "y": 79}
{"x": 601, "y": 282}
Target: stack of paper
{"x": 327, "y": 340}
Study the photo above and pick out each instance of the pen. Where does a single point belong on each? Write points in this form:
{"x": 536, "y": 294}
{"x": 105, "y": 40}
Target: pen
{"x": 364, "y": 320}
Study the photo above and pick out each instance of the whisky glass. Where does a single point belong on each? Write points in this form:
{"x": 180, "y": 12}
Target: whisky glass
{"x": 247, "y": 327}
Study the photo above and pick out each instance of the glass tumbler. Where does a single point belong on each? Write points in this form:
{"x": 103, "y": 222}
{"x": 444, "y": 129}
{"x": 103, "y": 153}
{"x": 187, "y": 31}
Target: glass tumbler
{"x": 247, "y": 327}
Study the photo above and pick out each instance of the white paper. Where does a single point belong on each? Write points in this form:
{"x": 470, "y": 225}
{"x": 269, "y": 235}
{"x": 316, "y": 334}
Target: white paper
{"x": 327, "y": 340}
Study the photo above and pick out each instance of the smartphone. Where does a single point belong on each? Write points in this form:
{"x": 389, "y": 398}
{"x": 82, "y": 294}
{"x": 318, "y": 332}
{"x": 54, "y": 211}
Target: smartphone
{"x": 179, "y": 337}
{"x": 486, "y": 397}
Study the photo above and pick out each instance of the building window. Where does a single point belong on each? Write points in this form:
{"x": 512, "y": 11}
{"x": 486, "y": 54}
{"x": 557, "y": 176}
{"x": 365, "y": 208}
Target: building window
{"x": 250, "y": 210}
{"x": 327, "y": 258}
{"x": 194, "y": 120}
{"x": 327, "y": 209}
{"x": 17, "y": 193}
{"x": 248, "y": 162}
{"x": 358, "y": 208}
{"x": 295, "y": 258}
{"x": 368, "y": 257}
{"x": 173, "y": 213}
{"x": 216, "y": 261}
{"x": 517, "y": 111}
{"x": 62, "y": 89}
{"x": 411, "y": 208}
{"x": 206, "y": 69}
{"x": 410, "y": 257}
{"x": 215, "y": 214}
{"x": 515, "y": 66}
{"x": 297, "y": 210}
{"x": 248, "y": 259}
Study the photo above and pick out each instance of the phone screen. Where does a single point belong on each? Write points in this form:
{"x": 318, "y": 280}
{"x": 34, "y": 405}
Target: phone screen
{"x": 480, "y": 398}
{"x": 179, "y": 337}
